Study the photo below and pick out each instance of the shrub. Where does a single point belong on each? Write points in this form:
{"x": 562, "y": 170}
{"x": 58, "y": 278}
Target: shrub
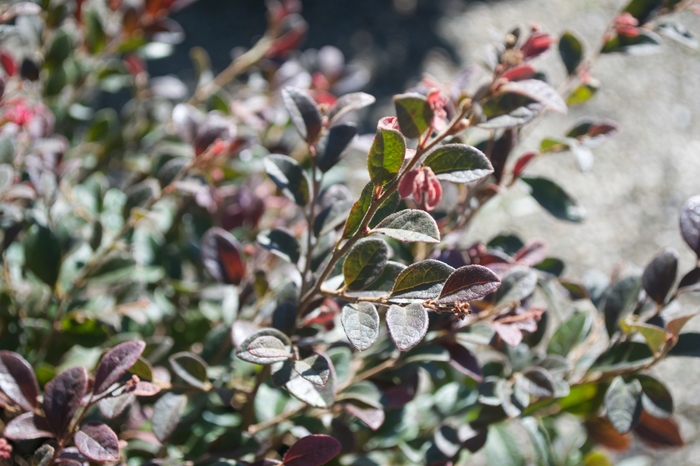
{"x": 197, "y": 282}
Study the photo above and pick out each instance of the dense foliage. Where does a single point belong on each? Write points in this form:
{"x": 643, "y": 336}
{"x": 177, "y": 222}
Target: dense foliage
{"x": 195, "y": 279}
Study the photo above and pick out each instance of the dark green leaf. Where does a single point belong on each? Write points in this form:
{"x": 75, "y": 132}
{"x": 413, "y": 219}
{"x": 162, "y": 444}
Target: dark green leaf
{"x": 191, "y": 368}
{"x": 280, "y": 243}
{"x": 316, "y": 369}
{"x": 358, "y": 211}
{"x": 59, "y": 49}
{"x": 413, "y": 113}
{"x": 139, "y": 194}
{"x": 510, "y": 244}
{"x": 385, "y": 283}
{"x": 410, "y": 225}
{"x": 537, "y": 382}
{"x": 333, "y": 144}
{"x": 644, "y": 10}
{"x": 266, "y": 346}
{"x": 620, "y": 301}
{"x": 518, "y": 284}
{"x": 166, "y": 415}
{"x": 407, "y": 325}
{"x": 284, "y": 317}
{"x": 623, "y": 356}
{"x": 361, "y": 324}
{"x": 688, "y": 345}
{"x": 468, "y": 283}
{"x": 365, "y": 262}
{"x": 623, "y": 403}
{"x": 104, "y": 125}
{"x": 458, "y": 163}
{"x": 656, "y": 398}
{"x": 385, "y": 156}
{"x": 349, "y": 102}
{"x": 645, "y": 43}
{"x": 332, "y": 217}
{"x": 538, "y": 91}
{"x": 42, "y": 254}
{"x": 289, "y": 177}
{"x": 551, "y": 265}
{"x": 421, "y": 281}
{"x": 509, "y": 110}
{"x": 303, "y": 112}
{"x": 554, "y": 199}
{"x": 660, "y": 275}
{"x": 571, "y": 51}
{"x": 570, "y": 334}
{"x": 95, "y": 37}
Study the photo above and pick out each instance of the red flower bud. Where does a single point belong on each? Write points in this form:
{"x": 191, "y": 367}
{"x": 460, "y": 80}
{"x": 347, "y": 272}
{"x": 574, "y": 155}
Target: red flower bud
{"x": 537, "y": 44}
{"x": 520, "y": 72}
{"x": 423, "y": 185}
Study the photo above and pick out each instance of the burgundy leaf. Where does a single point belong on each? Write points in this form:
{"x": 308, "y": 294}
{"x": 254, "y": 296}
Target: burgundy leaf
{"x": 222, "y": 256}
{"x": 533, "y": 252}
{"x": 145, "y": 389}
{"x": 115, "y": 363}
{"x": 17, "y": 380}
{"x": 96, "y": 441}
{"x": 62, "y": 396}
{"x": 659, "y": 433}
{"x": 469, "y": 283}
{"x": 464, "y": 361}
{"x": 510, "y": 333}
{"x": 660, "y": 275}
{"x": 312, "y": 450}
{"x": 27, "y": 426}
{"x": 67, "y": 462}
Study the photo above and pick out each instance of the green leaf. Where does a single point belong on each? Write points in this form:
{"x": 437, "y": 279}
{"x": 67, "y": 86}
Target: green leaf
{"x": 95, "y": 37}
{"x": 554, "y": 199}
{"x": 656, "y": 398}
{"x": 332, "y": 217}
{"x": 313, "y": 395}
{"x": 410, "y": 225}
{"x": 458, "y": 163}
{"x": 583, "y": 93}
{"x": 660, "y": 275}
{"x": 656, "y": 337}
{"x": 645, "y": 43}
{"x": 427, "y": 353}
{"x": 316, "y": 369}
{"x": 385, "y": 156}
{"x": 59, "y": 49}
{"x": 365, "y": 392}
{"x": 644, "y": 10}
{"x": 413, "y": 113}
{"x": 553, "y": 145}
{"x": 42, "y": 254}
{"x": 166, "y": 415}
{"x": 688, "y": 345}
{"x": 140, "y": 194}
{"x": 570, "y": 334}
{"x": 620, "y": 300}
{"x": 361, "y": 324}
{"x": 358, "y": 211}
{"x": 365, "y": 262}
{"x": 266, "y": 346}
{"x": 502, "y": 449}
{"x": 468, "y": 283}
{"x": 540, "y": 442}
{"x": 281, "y": 244}
{"x": 191, "y": 368}
{"x": 385, "y": 283}
{"x": 536, "y": 381}
{"x": 421, "y": 281}
{"x": 289, "y": 177}
{"x": 623, "y": 403}
{"x": 303, "y": 112}
{"x": 509, "y": 110}
{"x": 407, "y": 325}
{"x": 104, "y": 124}
{"x": 333, "y": 145}
{"x": 571, "y": 51}
{"x": 518, "y": 284}
{"x": 623, "y": 356}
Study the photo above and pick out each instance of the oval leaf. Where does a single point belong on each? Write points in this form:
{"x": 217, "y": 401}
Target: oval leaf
{"x": 333, "y": 145}
{"x": 304, "y": 113}
{"x": 537, "y": 381}
{"x": 518, "y": 284}
{"x": 313, "y": 395}
{"x": 413, "y": 113}
{"x": 571, "y": 51}
{"x": 458, "y": 163}
{"x": 222, "y": 256}
{"x": 190, "y": 367}
{"x": 660, "y": 275}
{"x": 113, "y": 406}
{"x": 281, "y": 244}
{"x": 407, "y": 325}
{"x": 62, "y": 397}
{"x": 411, "y": 225}
{"x": 312, "y": 450}
{"x": 421, "y": 281}
{"x": 42, "y": 254}
{"x": 115, "y": 363}
{"x": 570, "y": 334}
{"x": 365, "y": 262}
{"x": 17, "y": 380}
{"x": 554, "y": 199}
{"x": 623, "y": 403}
{"x": 690, "y": 223}
{"x": 539, "y": 91}
{"x": 469, "y": 283}
{"x": 316, "y": 369}
{"x": 656, "y": 398}
{"x": 348, "y": 103}
{"x": 385, "y": 156}
{"x": 27, "y": 426}
{"x": 166, "y": 415}
{"x": 289, "y": 177}
{"x": 97, "y": 442}
{"x": 361, "y": 324}
{"x": 265, "y": 347}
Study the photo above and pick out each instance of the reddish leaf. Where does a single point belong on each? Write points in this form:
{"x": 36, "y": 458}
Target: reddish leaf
{"x": 26, "y": 427}
{"x": 533, "y": 252}
{"x": 96, "y": 441}
{"x": 510, "y": 333}
{"x": 62, "y": 397}
{"x": 601, "y": 431}
{"x": 523, "y": 162}
{"x": 658, "y": 433}
{"x": 115, "y": 363}
{"x": 469, "y": 283}
{"x": 222, "y": 256}
{"x": 464, "y": 361}
{"x": 17, "y": 380}
{"x": 145, "y": 389}
{"x": 312, "y": 450}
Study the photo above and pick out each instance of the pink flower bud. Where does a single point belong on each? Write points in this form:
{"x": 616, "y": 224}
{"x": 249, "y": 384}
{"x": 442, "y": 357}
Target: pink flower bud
{"x": 524, "y": 71}
{"x": 537, "y": 44}
{"x": 423, "y": 185}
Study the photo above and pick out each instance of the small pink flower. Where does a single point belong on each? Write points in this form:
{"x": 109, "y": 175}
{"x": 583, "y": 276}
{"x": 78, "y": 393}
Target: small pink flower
{"x": 18, "y": 113}
{"x": 5, "y": 449}
{"x": 437, "y": 102}
{"x": 390, "y": 122}
{"x": 423, "y": 185}
{"x": 537, "y": 44}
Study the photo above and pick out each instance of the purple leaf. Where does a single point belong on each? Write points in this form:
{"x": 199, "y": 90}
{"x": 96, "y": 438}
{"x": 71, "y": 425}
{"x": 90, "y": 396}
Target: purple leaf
{"x": 469, "y": 283}
{"x": 145, "y": 389}
{"x": 115, "y": 363}
{"x": 17, "y": 380}
{"x": 27, "y": 426}
{"x": 312, "y": 450}
{"x": 303, "y": 112}
{"x": 464, "y": 361}
{"x": 62, "y": 396}
{"x": 97, "y": 442}
{"x": 660, "y": 275}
